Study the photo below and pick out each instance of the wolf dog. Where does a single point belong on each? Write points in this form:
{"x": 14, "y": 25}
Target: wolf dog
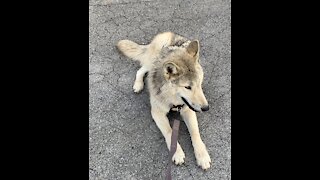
{"x": 174, "y": 79}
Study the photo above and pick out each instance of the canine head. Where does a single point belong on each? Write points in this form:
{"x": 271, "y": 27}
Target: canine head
{"x": 184, "y": 73}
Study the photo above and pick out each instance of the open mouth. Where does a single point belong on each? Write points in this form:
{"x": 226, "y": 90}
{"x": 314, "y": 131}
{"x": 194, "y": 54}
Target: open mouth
{"x": 186, "y": 102}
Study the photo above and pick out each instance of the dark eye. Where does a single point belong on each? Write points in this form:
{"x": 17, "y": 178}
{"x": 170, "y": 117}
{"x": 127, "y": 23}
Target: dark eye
{"x": 188, "y": 87}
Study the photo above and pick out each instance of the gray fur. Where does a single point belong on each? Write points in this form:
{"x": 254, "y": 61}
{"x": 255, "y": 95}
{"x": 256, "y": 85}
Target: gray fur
{"x": 178, "y": 55}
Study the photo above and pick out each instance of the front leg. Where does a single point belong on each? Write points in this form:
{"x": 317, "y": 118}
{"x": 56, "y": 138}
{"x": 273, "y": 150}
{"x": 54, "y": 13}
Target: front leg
{"x": 200, "y": 150}
{"x": 138, "y": 83}
{"x": 163, "y": 124}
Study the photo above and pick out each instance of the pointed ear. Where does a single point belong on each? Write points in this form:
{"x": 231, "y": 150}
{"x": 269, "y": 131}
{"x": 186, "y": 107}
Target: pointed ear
{"x": 171, "y": 71}
{"x": 194, "y": 48}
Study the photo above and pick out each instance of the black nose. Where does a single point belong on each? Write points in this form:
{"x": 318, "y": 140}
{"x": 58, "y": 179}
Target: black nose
{"x": 205, "y": 108}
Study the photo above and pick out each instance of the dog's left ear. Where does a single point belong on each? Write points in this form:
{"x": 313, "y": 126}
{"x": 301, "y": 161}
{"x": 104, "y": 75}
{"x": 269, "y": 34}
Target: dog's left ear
{"x": 194, "y": 48}
{"x": 171, "y": 71}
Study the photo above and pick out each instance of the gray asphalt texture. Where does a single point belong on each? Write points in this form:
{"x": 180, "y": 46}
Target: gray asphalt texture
{"x": 124, "y": 142}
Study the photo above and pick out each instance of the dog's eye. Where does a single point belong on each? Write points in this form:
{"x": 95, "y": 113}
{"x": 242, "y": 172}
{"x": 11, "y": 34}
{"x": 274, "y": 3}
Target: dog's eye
{"x": 188, "y": 87}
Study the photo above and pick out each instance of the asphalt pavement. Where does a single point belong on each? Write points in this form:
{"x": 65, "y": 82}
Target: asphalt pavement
{"x": 124, "y": 142}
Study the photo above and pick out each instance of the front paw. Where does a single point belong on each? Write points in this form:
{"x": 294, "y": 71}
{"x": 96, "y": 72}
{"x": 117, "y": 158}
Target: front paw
{"x": 138, "y": 86}
{"x": 178, "y": 157}
{"x": 202, "y": 156}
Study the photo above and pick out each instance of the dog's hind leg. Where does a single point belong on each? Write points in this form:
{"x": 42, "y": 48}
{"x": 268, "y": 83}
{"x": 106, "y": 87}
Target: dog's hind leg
{"x": 138, "y": 83}
{"x": 162, "y": 122}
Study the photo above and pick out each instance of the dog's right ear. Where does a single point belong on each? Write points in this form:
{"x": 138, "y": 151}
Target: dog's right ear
{"x": 171, "y": 71}
{"x": 193, "y": 49}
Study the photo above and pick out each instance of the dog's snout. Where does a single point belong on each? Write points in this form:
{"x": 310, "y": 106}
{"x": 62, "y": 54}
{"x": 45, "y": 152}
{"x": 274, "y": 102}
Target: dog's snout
{"x": 205, "y": 108}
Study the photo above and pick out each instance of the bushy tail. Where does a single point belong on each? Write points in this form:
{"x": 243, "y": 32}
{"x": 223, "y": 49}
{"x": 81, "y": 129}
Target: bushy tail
{"x": 131, "y": 49}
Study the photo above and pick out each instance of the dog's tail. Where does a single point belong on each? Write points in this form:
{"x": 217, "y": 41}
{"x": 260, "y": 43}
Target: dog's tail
{"x": 131, "y": 49}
